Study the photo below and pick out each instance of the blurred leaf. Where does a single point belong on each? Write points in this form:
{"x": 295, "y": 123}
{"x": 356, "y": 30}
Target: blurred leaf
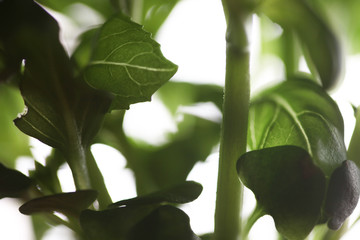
{"x": 71, "y": 203}
{"x": 182, "y": 193}
{"x": 104, "y": 7}
{"x": 320, "y": 44}
{"x": 298, "y": 112}
{"x": 127, "y": 63}
{"x": 175, "y": 94}
{"x": 171, "y": 163}
{"x": 46, "y": 176}
{"x": 13, "y": 143}
{"x": 155, "y": 12}
{"x": 287, "y": 185}
{"x": 343, "y": 193}
{"x": 164, "y": 223}
{"x": 207, "y": 236}
{"x": 12, "y": 183}
{"x": 82, "y": 54}
{"x": 40, "y": 226}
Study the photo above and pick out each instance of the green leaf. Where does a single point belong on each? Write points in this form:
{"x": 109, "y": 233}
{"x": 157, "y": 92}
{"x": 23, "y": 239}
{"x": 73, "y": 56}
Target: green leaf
{"x": 164, "y": 223}
{"x": 287, "y": 185}
{"x": 62, "y": 111}
{"x": 300, "y": 113}
{"x": 127, "y": 63}
{"x": 13, "y": 184}
{"x": 13, "y": 143}
{"x": 171, "y": 163}
{"x": 182, "y": 193}
{"x": 137, "y": 223}
{"x": 343, "y": 193}
{"x": 155, "y": 12}
{"x": 71, "y": 203}
{"x": 320, "y": 44}
{"x": 112, "y": 224}
{"x": 175, "y": 94}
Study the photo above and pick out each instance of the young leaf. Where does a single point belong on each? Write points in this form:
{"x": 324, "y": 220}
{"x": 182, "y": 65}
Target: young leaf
{"x": 300, "y": 113}
{"x": 12, "y": 183}
{"x": 71, "y": 203}
{"x": 182, "y": 193}
{"x": 319, "y": 41}
{"x": 287, "y": 185}
{"x": 343, "y": 193}
{"x": 127, "y": 63}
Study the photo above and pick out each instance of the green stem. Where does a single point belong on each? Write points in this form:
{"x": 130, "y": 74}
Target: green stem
{"x": 289, "y": 53}
{"x": 255, "y": 215}
{"x": 79, "y": 169}
{"x": 97, "y": 181}
{"x": 234, "y": 127}
{"x": 353, "y": 152}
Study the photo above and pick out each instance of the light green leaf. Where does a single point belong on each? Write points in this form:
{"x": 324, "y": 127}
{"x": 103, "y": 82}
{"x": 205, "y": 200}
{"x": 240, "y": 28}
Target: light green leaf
{"x": 127, "y": 63}
{"x": 300, "y": 113}
{"x": 155, "y": 12}
{"x": 13, "y": 143}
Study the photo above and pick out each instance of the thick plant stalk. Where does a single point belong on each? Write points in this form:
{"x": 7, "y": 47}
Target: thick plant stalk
{"x": 234, "y": 127}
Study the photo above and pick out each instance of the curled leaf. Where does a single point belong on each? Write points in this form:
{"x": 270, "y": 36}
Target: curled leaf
{"x": 343, "y": 193}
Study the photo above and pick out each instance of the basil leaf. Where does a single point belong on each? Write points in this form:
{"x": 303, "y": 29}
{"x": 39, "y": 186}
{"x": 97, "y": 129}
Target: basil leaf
{"x": 127, "y": 63}
{"x": 181, "y": 193}
{"x": 71, "y": 203}
{"x": 300, "y": 113}
{"x": 287, "y": 185}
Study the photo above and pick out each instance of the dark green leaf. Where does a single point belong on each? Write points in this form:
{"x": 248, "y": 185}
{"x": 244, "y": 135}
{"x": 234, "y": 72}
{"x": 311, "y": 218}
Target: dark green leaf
{"x": 113, "y": 224}
{"x": 71, "y": 203}
{"x": 12, "y": 183}
{"x": 182, "y": 193}
{"x": 287, "y": 185}
{"x": 137, "y": 222}
{"x": 300, "y": 113}
{"x": 319, "y": 41}
{"x": 62, "y": 111}
{"x": 127, "y": 63}
{"x": 207, "y": 236}
{"x": 164, "y": 223}
{"x": 343, "y": 193}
